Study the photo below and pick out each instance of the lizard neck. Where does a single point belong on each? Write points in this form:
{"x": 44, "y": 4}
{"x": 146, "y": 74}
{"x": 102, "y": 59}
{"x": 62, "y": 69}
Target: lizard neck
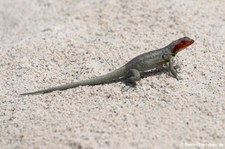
{"x": 168, "y": 50}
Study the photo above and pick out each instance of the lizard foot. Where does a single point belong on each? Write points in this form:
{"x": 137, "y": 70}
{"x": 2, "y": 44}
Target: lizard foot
{"x": 126, "y": 88}
{"x": 179, "y": 78}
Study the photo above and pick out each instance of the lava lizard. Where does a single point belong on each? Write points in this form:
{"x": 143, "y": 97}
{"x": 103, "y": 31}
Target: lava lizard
{"x": 133, "y": 68}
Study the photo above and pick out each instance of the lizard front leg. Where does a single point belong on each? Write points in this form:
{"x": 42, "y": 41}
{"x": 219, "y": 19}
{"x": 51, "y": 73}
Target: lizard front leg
{"x": 170, "y": 58}
{"x": 173, "y": 71}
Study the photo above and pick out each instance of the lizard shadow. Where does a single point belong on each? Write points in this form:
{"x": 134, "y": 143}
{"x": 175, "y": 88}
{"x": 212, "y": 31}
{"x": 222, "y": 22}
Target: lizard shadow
{"x": 158, "y": 71}
{"x": 146, "y": 74}
{"x": 154, "y": 72}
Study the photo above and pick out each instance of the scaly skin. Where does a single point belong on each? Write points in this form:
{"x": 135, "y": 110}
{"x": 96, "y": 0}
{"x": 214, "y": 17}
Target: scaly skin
{"x": 133, "y": 68}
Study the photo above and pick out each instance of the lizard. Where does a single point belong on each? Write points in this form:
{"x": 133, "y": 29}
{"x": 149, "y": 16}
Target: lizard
{"x": 132, "y": 70}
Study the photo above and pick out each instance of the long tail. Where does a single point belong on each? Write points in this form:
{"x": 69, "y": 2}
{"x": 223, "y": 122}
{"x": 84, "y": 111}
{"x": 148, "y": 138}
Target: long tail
{"x": 92, "y": 81}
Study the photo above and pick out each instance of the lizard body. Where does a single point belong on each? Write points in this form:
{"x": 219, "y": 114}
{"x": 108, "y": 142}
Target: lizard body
{"x": 133, "y": 68}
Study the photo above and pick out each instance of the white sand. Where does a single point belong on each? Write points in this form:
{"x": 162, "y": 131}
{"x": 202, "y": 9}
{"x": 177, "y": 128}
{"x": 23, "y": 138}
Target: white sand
{"x": 47, "y": 43}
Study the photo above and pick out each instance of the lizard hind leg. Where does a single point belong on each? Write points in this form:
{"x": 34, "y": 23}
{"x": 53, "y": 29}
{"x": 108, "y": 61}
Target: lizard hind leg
{"x": 133, "y": 76}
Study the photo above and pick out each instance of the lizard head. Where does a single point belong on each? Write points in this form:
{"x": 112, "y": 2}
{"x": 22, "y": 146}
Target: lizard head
{"x": 180, "y": 44}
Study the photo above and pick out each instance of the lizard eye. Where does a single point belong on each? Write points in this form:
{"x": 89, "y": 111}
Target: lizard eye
{"x": 183, "y": 42}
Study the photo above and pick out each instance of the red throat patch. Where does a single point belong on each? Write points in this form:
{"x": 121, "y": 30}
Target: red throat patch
{"x": 182, "y": 44}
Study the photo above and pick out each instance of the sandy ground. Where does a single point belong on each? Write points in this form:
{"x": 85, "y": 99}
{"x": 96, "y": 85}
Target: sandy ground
{"x": 47, "y": 43}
